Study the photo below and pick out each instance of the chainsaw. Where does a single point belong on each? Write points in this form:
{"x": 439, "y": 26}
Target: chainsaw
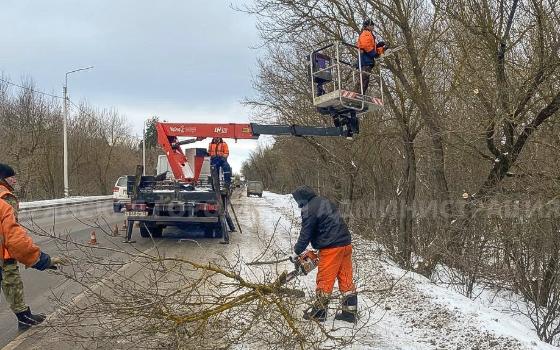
{"x": 304, "y": 264}
{"x": 392, "y": 50}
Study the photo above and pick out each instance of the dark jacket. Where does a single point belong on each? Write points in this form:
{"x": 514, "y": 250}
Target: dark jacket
{"x": 321, "y": 223}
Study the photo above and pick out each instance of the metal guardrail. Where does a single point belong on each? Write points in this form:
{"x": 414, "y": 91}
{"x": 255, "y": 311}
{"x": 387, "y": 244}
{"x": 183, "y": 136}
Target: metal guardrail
{"x": 76, "y": 202}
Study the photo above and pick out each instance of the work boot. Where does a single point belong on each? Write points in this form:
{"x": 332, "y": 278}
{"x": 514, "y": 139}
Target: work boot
{"x": 318, "y": 311}
{"x": 349, "y": 308}
{"x": 26, "y": 319}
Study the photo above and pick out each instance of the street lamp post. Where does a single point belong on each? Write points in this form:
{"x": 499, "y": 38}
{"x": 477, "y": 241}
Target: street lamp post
{"x": 144, "y": 149}
{"x": 64, "y": 127}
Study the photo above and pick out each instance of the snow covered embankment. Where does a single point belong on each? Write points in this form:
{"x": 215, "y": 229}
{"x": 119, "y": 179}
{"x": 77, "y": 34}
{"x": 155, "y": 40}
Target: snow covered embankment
{"x": 403, "y": 310}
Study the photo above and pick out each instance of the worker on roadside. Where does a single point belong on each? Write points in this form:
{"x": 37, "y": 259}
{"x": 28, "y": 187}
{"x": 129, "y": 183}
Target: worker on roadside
{"x": 369, "y": 51}
{"x": 323, "y": 227}
{"x": 16, "y": 246}
{"x": 219, "y": 152}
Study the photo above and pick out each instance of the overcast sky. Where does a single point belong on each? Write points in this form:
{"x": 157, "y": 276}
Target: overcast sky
{"x": 184, "y": 61}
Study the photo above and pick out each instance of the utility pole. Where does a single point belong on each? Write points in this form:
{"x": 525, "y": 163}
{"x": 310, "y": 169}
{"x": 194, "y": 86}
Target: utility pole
{"x": 65, "y": 128}
{"x": 65, "y": 135}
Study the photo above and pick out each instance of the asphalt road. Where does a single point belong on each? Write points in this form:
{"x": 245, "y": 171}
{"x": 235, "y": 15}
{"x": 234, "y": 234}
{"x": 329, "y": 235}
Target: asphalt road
{"x": 41, "y": 286}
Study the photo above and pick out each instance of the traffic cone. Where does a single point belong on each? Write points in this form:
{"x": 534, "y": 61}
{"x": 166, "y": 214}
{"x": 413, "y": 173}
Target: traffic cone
{"x": 92, "y": 238}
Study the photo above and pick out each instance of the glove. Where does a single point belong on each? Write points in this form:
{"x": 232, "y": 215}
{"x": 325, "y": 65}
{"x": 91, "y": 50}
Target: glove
{"x": 294, "y": 257}
{"x": 59, "y": 260}
{"x": 382, "y": 44}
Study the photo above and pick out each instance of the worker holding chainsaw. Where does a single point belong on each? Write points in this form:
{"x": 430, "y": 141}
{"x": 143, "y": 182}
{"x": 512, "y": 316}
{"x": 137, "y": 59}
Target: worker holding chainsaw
{"x": 369, "y": 51}
{"x": 16, "y": 246}
{"x": 323, "y": 227}
{"x": 219, "y": 153}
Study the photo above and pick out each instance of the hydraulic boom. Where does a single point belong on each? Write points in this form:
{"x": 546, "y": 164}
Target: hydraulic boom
{"x": 168, "y": 134}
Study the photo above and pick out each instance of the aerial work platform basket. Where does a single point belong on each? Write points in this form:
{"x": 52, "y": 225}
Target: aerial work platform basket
{"x": 348, "y": 99}
{"x": 337, "y": 81}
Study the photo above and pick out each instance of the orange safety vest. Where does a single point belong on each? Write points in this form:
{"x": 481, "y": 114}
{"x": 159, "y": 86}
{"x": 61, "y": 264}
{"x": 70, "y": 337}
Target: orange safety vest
{"x": 367, "y": 43}
{"x": 218, "y": 149}
{"x": 14, "y": 240}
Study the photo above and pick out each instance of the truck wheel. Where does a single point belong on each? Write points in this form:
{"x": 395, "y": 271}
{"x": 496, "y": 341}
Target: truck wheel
{"x": 117, "y": 208}
{"x": 157, "y": 231}
{"x": 224, "y": 232}
{"x": 213, "y": 231}
{"x": 145, "y": 231}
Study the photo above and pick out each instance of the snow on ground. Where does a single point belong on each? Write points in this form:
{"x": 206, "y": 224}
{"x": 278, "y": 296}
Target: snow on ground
{"x": 61, "y": 201}
{"x": 400, "y": 309}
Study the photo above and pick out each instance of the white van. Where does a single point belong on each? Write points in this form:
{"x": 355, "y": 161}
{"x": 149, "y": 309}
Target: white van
{"x": 120, "y": 194}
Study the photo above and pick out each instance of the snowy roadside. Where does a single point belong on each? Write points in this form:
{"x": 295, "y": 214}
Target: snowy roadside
{"x": 400, "y": 309}
{"x": 397, "y": 309}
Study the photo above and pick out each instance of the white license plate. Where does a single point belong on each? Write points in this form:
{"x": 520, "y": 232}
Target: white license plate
{"x": 136, "y": 213}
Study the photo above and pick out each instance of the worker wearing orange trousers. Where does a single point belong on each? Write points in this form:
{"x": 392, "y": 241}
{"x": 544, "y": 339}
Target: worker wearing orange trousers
{"x": 323, "y": 227}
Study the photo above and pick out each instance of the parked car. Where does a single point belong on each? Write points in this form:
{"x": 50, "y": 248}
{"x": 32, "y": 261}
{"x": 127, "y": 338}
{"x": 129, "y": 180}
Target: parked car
{"x": 236, "y": 182}
{"x": 254, "y": 188}
{"x": 120, "y": 194}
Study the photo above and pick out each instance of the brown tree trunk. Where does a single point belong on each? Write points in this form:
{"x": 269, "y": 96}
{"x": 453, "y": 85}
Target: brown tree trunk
{"x": 406, "y": 205}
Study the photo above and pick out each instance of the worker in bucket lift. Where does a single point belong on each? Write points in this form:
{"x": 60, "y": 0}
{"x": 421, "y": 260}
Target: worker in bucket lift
{"x": 16, "y": 246}
{"x": 219, "y": 152}
{"x": 323, "y": 227}
{"x": 369, "y": 51}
